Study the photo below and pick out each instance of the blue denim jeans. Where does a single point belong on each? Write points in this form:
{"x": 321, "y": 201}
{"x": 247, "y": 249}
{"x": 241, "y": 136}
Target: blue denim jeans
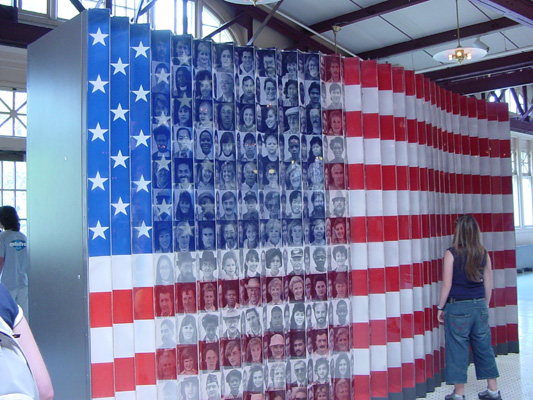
{"x": 467, "y": 323}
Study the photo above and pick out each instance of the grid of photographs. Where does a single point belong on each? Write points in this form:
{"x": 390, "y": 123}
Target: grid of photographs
{"x": 252, "y": 277}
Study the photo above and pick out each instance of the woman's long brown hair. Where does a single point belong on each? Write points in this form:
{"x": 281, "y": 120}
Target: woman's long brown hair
{"x": 467, "y": 241}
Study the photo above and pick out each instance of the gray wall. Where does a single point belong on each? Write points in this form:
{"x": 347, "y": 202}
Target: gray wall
{"x": 56, "y": 204}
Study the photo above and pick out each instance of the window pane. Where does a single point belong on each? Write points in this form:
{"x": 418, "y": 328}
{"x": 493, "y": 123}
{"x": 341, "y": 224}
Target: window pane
{"x": 524, "y": 163}
{"x": 527, "y": 201}
{"x": 8, "y": 181}
{"x": 23, "y": 226}
{"x": 6, "y": 101}
{"x": 20, "y": 101}
{"x": 513, "y": 162}
{"x": 6, "y": 2}
{"x": 38, "y": 6}
{"x": 65, "y": 9}
{"x": 8, "y": 198}
{"x": 20, "y": 182}
{"x": 20, "y": 126}
{"x": 6, "y": 125}
{"x": 21, "y": 204}
{"x": 516, "y": 203}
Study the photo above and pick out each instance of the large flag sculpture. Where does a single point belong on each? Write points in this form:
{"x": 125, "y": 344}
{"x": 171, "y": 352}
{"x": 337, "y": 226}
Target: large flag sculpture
{"x": 266, "y": 224}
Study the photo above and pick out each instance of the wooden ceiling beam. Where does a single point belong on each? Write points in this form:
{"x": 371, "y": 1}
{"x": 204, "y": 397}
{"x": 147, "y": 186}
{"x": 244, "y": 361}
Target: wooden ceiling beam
{"x": 519, "y": 10}
{"x": 439, "y": 38}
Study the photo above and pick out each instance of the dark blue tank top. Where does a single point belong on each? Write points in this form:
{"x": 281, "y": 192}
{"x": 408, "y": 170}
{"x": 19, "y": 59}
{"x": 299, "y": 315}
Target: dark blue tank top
{"x": 462, "y": 287}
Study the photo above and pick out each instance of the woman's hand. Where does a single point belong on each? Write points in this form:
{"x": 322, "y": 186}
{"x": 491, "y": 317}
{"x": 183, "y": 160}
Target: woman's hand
{"x": 440, "y": 316}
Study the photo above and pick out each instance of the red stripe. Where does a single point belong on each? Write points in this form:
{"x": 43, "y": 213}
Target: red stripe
{"x": 100, "y": 309}
{"x": 125, "y": 374}
{"x": 102, "y": 380}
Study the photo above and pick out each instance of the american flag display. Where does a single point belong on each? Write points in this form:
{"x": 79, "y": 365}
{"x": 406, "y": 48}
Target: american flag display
{"x": 270, "y": 225}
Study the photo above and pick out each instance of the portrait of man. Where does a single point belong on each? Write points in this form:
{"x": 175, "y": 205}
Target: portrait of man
{"x": 248, "y": 90}
{"x": 314, "y": 124}
{"x": 205, "y": 145}
{"x": 187, "y": 292}
{"x": 253, "y": 322}
{"x": 167, "y": 334}
{"x": 335, "y": 97}
{"x": 165, "y": 301}
{"x": 319, "y": 257}
{"x": 212, "y": 388}
{"x": 298, "y": 344}
{"x": 182, "y": 79}
{"x": 253, "y": 292}
{"x": 293, "y": 146}
{"x": 246, "y": 67}
{"x": 225, "y": 82}
{"x": 317, "y": 200}
{"x": 277, "y": 375}
{"x": 184, "y": 143}
{"x": 183, "y": 175}
{"x": 338, "y": 202}
{"x": 300, "y": 372}
{"x": 321, "y": 342}
{"x": 206, "y": 203}
{"x": 231, "y": 320}
{"x": 314, "y": 95}
{"x": 234, "y": 380}
{"x": 296, "y": 260}
{"x": 250, "y": 205}
{"x": 268, "y": 63}
{"x": 276, "y": 319}
{"x": 161, "y": 179}
{"x": 249, "y": 177}
{"x": 206, "y": 236}
{"x": 342, "y": 312}
{"x": 277, "y": 347}
{"x": 186, "y": 267}
{"x": 231, "y": 294}
{"x": 249, "y": 147}
{"x": 293, "y": 117}
{"x": 228, "y": 206}
{"x": 229, "y": 235}
{"x": 321, "y": 315}
{"x": 210, "y": 325}
{"x": 210, "y": 357}
{"x": 226, "y": 117}
{"x": 208, "y": 266}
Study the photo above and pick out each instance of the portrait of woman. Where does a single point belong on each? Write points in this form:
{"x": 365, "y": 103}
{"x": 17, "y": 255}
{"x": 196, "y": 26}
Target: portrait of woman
{"x": 251, "y": 265}
{"x": 183, "y": 115}
{"x": 269, "y": 120}
{"x": 230, "y": 266}
{"x": 342, "y": 367}
{"x": 203, "y": 56}
{"x": 165, "y": 271}
{"x": 290, "y": 93}
{"x": 275, "y": 292}
{"x": 188, "y": 362}
{"x": 322, "y": 370}
{"x": 315, "y": 152}
{"x": 311, "y": 67}
{"x": 209, "y": 297}
{"x": 251, "y": 235}
{"x": 189, "y": 389}
{"x": 295, "y": 233}
{"x": 205, "y": 175}
{"x": 247, "y": 118}
{"x": 188, "y": 333}
{"x": 270, "y": 91}
{"x": 318, "y": 232}
{"x": 232, "y": 354}
{"x": 290, "y": 66}
{"x": 298, "y": 317}
{"x": 338, "y": 231}
{"x": 184, "y": 207}
{"x": 256, "y": 380}
{"x": 227, "y": 147}
{"x": 272, "y": 234}
{"x": 227, "y": 176}
{"x": 293, "y": 177}
{"x": 296, "y": 288}
{"x": 315, "y": 172}
{"x": 274, "y": 261}
{"x": 224, "y": 58}
{"x": 204, "y": 86}
{"x": 161, "y": 79}
{"x": 254, "y": 351}
{"x": 271, "y": 176}
{"x": 164, "y": 238}
{"x": 184, "y": 237}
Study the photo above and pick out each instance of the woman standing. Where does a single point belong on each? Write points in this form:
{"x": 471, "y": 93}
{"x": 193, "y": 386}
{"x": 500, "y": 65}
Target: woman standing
{"x": 463, "y": 309}
{"x": 14, "y": 257}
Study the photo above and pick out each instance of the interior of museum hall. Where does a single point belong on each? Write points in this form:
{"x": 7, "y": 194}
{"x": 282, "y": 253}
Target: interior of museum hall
{"x": 253, "y": 199}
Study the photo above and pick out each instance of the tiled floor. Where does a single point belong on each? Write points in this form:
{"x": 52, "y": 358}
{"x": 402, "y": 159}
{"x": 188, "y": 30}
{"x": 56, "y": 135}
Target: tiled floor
{"x": 516, "y": 370}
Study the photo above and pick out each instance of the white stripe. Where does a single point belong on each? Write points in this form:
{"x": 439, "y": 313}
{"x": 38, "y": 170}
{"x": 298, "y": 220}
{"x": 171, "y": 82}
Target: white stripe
{"x": 399, "y": 100}
{"x": 404, "y": 206}
{"x": 121, "y": 268}
{"x": 101, "y": 345}
{"x": 359, "y": 258}
{"x": 144, "y": 336}
{"x": 402, "y": 153}
{"x": 355, "y": 151}
{"x": 376, "y": 257}
{"x": 359, "y": 309}
{"x": 124, "y": 396}
{"x": 510, "y": 277}
{"x": 378, "y": 358}
{"x": 370, "y": 102}
{"x": 377, "y": 303}
{"x": 100, "y": 274}
{"x": 386, "y": 106}
{"x": 394, "y": 354}
{"x": 143, "y": 270}
{"x": 393, "y": 304}
{"x": 507, "y": 202}
{"x": 392, "y": 254}
{"x": 511, "y": 314}
{"x": 417, "y": 299}
{"x": 146, "y": 392}
{"x": 408, "y": 351}
{"x": 390, "y": 203}
{"x": 388, "y": 152}
{"x": 406, "y": 301}
{"x": 361, "y": 362}
{"x": 123, "y": 341}
{"x": 357, "y": 203}
{"x": 405, "y": 251}
{"x": 410, "y": 107}
{"x": 352, "y": 97}
{"x": 374, "y": 203}
{"x": 372, "y": 151}
{"x": 419, "y": 346}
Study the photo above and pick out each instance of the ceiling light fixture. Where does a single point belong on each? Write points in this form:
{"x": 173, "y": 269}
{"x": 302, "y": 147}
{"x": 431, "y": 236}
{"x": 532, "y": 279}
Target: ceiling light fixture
{"x": 460, "y": 53}
{"x": 252, "y": 2}
{"x": 335, "y": 29}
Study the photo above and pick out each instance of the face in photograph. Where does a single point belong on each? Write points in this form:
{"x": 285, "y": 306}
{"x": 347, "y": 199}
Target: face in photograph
{"x": 184, "y": 115}
{"x": 166, "y": 364}
{"x": 253, "y": 322}
{"x": 233, "y": 353}
{"x": 254, "y": 351}
{"x": 210, "y": 324}
{"x": 188, "y": 299}
{"x": 188, "y": 333}
{"x": 247, "y": 59}
{"x": 296, "y": 288}
{"x": 269, "y": 64}
{"x": 321, "y": 314}
{"x": 253, "y": 291}
{"x": 231, "y": 297}
{"x": 209, "y": 297}
{"x": 298, "y": 350}
{"x": 203, "y": 56}
{"x": 276, "y": 319}
{"x": 225, "y": 58}
{"x": 183, "y": 174}
{"x": 275, "y": 291}
{"x": 205, "y": 118}
{"x": 165, "y": 301}
{"x": 248, "y": 90}
{"x": 342, "y": 340}
{"x": 271, "y": 120}
{"x": 211, "y": 358}
{"x": 212, "y": 387}
{"x": 341, "y": 284}
{"x": 207, "y": 237}
{"x": 234, "y": 379}
{"x": 167, "y": 334}
{"x": 206, "y": 203}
